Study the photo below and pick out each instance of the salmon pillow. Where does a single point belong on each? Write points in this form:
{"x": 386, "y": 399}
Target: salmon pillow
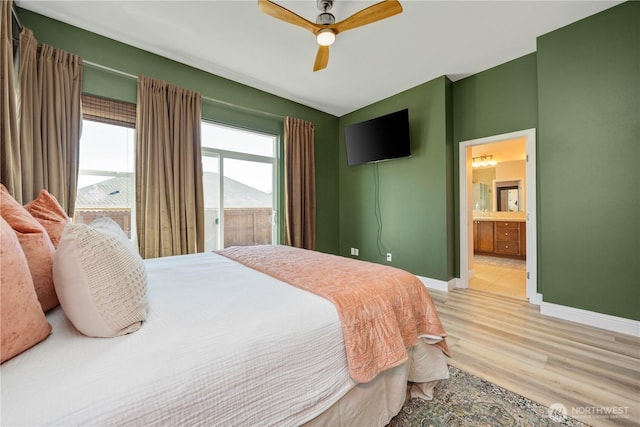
{"x": 36, "y": 245}
{"x": 48, "y": 212}
{"x": 23, "y": 323}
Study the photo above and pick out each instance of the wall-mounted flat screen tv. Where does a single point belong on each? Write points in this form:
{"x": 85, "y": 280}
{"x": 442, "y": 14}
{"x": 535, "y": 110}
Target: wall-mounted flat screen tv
{"x": 383, "y": 138}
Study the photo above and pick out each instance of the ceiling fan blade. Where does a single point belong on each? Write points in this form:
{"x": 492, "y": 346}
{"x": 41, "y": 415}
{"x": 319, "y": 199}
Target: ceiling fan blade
{"x": 279, "y": 12}
{"x": 373, "y": 13}
{"x": 322, "y": 58}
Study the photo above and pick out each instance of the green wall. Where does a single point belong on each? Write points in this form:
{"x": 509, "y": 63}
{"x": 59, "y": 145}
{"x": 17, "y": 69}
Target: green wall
{"x": 257, "y": 110}
{"x": 589, "y": 163}
{"x": 500, "y": 100}
{"x": 581, "y": 90}
{"x": 415, "y": 203}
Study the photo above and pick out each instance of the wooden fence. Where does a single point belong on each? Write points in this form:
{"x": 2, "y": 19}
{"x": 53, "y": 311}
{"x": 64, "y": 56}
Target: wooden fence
{"x": 242, "y": 226}
{"x": 122, "y": 217}
{"x": 247, "y": 226}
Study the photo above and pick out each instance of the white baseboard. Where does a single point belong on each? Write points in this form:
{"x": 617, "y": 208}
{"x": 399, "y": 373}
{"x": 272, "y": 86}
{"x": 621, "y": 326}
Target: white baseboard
{"x": 585, "y": 317}
{"x": 438, "y": 285}
{"x": 591, "y": 318}
{"x": 536, "y": 300}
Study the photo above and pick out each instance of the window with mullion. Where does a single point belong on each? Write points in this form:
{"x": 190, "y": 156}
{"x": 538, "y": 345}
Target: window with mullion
{"x": 106, "y": 185}
{"x": 239, "y": 176}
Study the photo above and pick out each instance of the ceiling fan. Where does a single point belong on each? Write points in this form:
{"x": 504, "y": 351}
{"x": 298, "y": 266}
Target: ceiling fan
{"x": 325, "y": 28}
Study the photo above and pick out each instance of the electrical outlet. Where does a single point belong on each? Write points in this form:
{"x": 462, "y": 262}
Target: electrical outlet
{"x": 389, "y": 256}
{"x": 355, "y": 251}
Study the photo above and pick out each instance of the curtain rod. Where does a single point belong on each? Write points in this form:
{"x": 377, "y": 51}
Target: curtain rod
{"x": 206, "y": 98}
{"x": 15, "y": 16}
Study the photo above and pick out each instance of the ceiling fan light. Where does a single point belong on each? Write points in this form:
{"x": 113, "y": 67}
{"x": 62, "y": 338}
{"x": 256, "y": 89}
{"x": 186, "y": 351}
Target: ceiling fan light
{"x": 326, "y": 37}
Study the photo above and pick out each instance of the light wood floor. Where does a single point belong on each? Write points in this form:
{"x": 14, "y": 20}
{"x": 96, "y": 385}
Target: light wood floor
{"x": 499, "y": 279}
{"x": 508, "y": 342}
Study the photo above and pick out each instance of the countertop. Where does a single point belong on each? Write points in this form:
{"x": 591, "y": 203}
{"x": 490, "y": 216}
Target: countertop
{"x": 498, "y": 218}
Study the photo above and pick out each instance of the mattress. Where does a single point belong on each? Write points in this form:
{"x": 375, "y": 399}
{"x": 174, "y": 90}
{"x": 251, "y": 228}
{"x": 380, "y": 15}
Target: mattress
{"x": 222, "y": 345}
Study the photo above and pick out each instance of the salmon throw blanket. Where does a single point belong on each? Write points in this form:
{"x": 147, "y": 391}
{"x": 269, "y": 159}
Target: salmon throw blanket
{"x": 383, "y": 310}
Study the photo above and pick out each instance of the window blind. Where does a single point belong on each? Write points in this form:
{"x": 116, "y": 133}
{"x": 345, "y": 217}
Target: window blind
{"x": 108, "y": 111}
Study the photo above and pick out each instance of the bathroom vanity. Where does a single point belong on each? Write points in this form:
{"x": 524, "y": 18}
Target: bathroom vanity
{"x": 500, "y": 237}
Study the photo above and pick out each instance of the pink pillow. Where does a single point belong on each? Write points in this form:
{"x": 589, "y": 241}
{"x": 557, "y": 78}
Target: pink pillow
{"x": 48, "y": 212}
{"x": 23, "y": 322}
{"x": 36, "y": 245}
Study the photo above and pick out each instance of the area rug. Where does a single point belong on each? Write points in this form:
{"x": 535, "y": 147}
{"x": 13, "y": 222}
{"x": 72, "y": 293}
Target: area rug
{"x": 466, "y": 400}
{"x": 518, "y": 264}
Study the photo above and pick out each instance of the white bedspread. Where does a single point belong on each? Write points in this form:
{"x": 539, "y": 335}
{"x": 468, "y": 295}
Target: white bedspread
{"x": 223, "y": 345}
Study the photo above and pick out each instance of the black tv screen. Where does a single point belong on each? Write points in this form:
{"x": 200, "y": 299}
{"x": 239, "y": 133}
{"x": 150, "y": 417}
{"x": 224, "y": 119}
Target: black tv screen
{"x": 375, "y": 140}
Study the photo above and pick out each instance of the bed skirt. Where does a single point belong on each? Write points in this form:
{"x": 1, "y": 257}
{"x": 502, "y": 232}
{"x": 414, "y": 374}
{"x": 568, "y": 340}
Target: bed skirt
{"x": 376, "y": 402}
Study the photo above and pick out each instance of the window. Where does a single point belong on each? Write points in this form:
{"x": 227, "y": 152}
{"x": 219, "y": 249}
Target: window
{"x": 239, "y": 169}
{"x": 106, "y": 184}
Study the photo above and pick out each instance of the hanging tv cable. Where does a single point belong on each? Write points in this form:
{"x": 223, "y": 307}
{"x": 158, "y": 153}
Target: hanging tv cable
{"x": 377, "y": 211}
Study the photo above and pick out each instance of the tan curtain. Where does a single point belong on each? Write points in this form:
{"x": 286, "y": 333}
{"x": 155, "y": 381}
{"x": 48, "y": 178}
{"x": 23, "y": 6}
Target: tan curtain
{"x": 300, "y": 184}
{"x": 10, "y": 146}
{"x": 50, "y": 120}
{"x": 169, "y": 194}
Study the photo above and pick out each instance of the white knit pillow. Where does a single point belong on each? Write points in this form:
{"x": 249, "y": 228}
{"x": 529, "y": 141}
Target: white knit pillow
{"x": 100, "y": 279}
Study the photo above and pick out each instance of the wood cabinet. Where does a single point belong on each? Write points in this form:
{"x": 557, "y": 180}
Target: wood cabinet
{"x": 507, "y": 238}
{"x": 483, "y": 236}
{"x": 504, "y": 238}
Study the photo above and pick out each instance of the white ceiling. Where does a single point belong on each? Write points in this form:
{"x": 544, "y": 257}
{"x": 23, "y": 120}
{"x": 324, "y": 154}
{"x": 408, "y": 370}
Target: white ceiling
{"x": 235, "y": 40}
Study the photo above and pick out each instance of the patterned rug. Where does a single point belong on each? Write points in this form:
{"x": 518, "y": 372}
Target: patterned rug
{"x": 466, "y": 400}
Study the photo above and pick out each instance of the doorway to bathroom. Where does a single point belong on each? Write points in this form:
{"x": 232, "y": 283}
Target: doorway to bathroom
{"x": 498, "y": 215}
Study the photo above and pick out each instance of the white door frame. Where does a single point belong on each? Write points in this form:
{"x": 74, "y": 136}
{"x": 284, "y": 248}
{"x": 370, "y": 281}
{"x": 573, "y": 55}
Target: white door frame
{"x": 466, "y": 234}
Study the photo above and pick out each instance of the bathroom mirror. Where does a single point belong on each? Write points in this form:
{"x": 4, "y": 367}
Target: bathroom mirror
{"x": 508, "y": 196}
{"x": 508, "y": 199}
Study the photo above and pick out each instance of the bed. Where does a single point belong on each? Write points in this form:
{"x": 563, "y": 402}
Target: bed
{"x": 222, "y": 344}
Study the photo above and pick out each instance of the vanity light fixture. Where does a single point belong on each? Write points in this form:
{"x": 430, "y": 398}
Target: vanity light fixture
{"x": 483, "y": 161}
